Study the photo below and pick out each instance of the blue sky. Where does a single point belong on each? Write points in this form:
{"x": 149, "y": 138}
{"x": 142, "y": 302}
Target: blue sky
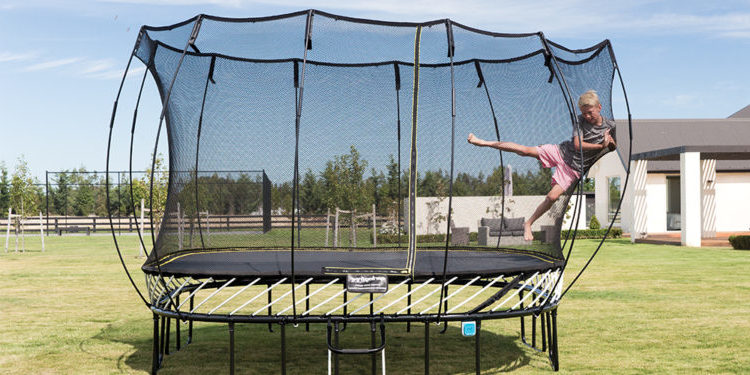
{"x": 61, "y": 61}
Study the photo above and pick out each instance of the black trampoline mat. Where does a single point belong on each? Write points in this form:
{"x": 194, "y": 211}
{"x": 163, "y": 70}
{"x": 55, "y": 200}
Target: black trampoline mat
{"x": 317, "y": 263}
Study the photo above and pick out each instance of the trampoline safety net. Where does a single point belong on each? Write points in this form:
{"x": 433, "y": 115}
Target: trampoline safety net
{"x": 309, "y": 132}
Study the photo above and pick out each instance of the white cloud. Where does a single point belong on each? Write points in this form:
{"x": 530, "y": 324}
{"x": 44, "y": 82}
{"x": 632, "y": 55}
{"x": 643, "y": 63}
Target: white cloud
{"x": 84, "y": 67}
{"x": 225, "y": 3}
{"x": 735, "y": 24}
{"x": 114, "y": 73}
{"x": 11, "y": 56}
{"x": 683, "y": 100}
{"x": 97, "y": 66}
{"x": 52, "y": 64}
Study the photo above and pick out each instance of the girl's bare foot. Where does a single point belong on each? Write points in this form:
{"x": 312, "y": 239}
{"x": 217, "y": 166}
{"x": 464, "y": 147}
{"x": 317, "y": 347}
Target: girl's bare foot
{"x": 527, "y": 235}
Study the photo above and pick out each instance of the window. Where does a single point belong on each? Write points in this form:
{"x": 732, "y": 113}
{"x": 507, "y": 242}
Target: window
{"x": 673, "y": 203}
{"x": 614, "y": 198}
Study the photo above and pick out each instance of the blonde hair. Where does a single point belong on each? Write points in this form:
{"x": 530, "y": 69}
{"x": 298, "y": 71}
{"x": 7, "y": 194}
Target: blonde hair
{"x": 588, "y": 98}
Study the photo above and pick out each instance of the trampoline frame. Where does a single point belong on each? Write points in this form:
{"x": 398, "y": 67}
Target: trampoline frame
{"x": 537, "y": 294}
{"x": 164, "y": 295}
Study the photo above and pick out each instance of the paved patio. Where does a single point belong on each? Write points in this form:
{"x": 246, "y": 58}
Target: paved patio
{"x": 673, "y": 238}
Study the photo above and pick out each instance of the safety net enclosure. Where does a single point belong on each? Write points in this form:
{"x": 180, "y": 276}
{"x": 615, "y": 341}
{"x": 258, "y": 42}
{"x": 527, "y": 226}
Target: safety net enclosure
{"x": 315, "y": 149}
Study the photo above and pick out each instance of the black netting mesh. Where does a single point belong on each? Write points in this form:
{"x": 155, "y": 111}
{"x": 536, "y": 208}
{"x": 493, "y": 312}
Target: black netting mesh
{"x": 377, "y": 161}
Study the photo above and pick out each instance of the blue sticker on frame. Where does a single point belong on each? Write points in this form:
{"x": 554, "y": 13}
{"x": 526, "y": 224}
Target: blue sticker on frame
{"x": 469, "y": 328}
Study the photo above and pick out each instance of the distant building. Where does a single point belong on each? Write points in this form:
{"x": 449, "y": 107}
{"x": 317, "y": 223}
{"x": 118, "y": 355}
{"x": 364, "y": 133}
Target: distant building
{"x": 687, "y": 175}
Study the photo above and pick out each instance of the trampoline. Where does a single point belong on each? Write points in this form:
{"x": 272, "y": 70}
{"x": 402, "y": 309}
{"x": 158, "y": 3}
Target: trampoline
{"x": 319, "y": 174}
{"x": 315, "y": 263}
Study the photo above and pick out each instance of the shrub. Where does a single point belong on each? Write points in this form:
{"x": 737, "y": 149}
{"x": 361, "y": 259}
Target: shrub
{"x": 740, "y": 242}
{"x": 422, "y": 238}
{"x": 595, "y": 233}
{"x": 594, "y": 223}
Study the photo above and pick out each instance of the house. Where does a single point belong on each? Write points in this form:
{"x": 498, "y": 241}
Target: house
{"x": 686, "y": 175}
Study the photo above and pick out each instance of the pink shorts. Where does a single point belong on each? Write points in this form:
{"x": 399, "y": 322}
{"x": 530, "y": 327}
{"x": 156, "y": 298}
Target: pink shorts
{"x": 564, "y": 175}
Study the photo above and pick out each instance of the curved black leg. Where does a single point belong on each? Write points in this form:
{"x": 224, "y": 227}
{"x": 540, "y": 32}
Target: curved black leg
{"x": 155, "y": 364}
{"x": 231, "y": 348}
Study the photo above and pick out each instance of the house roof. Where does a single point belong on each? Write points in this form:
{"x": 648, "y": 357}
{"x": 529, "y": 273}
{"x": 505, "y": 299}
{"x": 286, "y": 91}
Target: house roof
{"x": 742, "y": 113}
{"x": 661, "y": 140}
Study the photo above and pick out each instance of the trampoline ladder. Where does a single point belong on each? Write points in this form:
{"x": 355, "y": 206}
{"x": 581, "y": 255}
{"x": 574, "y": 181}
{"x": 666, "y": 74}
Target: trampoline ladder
{"x": 334, "y": 350}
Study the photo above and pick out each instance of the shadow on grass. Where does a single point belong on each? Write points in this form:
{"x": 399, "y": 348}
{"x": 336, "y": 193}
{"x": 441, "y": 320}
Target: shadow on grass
{"x": 258, "y": 351}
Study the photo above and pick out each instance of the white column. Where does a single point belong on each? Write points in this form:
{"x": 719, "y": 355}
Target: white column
{"x": 690, "y": 198}
{"x": 639, "y": 220}
{"x": 708, "y": 198}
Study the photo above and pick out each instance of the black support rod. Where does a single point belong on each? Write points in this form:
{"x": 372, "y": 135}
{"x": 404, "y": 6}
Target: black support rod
{"x": 426, "y": 347}
{"x": 191, "y": 40}
{"x": 627, "y": 173}
{"x": 397, "y": 76}
{"x": 155, "y": 358}
{"x": 198, "y": 147}
{"x": 483, "y": 82}
{"x": 449, "y": 30}
{"x": 231, "y": 348}
{"x": 477, "y": 347}
{"x": 413, "y": 158}
{"x": 298, "y": 115}
{"x": 283, "y": 349}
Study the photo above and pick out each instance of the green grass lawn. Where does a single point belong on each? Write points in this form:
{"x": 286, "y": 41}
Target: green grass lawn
{"x": 638, "y": 309}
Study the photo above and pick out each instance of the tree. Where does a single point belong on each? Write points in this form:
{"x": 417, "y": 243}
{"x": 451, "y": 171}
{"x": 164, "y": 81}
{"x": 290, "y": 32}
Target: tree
{"x": 343, "y": 182}
{"x": 157, "y": 190}
{"x": 433, "y": 184}
{"x": 311, "y": 195}
{"x": 4, "y": 189}
{"x": 589, "y": 184}
{"x": 82, "y": 200}
{"x": 281, "y": 198}
{"x": 390, "y": 194}
{"x": 61, "y": 194}
{"x": 23, "y": 194}
{"x": 532, "y": 183}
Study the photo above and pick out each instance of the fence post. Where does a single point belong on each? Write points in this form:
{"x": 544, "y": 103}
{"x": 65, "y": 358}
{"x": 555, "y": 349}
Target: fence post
{"x": 140, "y": 229}
{"x": 7, "y": 232}
{"x": 179, "y": 227}
{"x": 354, "y": 228}
{"x": 336, "y": 229}
{"x": 374, "y": 227}
{"x": 41, "y": 229}
{"x": 328, "y": 223}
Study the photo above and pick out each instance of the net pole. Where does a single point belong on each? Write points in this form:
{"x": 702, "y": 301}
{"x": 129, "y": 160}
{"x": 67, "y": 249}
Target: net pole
{"x": 413, "y": 157}
{"x": 209, "y": 78}
{"x": 190, "y": 41}
{"x": 627, "y": 172}
{"x": 399, "y": 203}
{"x": 483, "y": 82}
{"x": 162, "y": 116}
{"x": 552, "y": 64}
{"x": 138, "y": 230}
{"x": 308, "y": 30}
{"x": 451, "y": 47}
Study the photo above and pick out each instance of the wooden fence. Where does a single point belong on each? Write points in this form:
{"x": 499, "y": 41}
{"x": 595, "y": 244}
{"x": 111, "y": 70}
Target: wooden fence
{"x": 95, "y": 224}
